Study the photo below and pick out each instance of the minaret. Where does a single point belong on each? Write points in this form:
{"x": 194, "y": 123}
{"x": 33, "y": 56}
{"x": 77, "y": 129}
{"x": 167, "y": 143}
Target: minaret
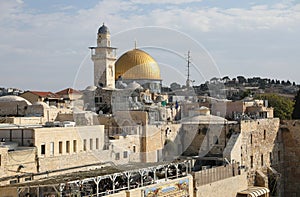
{"x": 104, "y": 57}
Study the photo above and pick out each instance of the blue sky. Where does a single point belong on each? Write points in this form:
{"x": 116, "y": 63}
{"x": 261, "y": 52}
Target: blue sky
{"x": 44, "y": 44}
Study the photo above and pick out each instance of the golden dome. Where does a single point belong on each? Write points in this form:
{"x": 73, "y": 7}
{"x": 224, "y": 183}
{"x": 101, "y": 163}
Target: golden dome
{"x": 137, "y": 64}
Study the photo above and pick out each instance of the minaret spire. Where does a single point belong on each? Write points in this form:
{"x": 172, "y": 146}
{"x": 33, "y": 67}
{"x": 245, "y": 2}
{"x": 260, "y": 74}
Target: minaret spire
{"x": 135, "y": 44}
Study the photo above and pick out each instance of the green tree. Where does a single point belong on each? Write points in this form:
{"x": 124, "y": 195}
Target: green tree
{"x": 283, "y": 107}
{"x": 296, "y": 112}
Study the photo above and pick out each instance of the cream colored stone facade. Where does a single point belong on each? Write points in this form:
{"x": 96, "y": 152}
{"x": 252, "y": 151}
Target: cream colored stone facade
{"x": 19, "y": 162}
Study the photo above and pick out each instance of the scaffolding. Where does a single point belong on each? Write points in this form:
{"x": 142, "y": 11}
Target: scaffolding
{"x": 106, "y": 184}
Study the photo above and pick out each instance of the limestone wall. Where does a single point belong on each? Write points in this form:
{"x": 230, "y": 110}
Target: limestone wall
{"x": 289, "y": 164}
{"x": 18, "y": 162}
{"x": 225, "y": 187}
{"x": 24, "y": 120}
{"x": 13, "y": 108}
{"x": 161, "y": 138}
{"x": 63, "y": 147}
{"x": 258, "y": 141}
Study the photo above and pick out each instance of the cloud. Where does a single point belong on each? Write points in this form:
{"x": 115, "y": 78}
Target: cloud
{"x": 58, "y": 41}
{"x": 20, "y": 1}
{"x": 176, "y": 2}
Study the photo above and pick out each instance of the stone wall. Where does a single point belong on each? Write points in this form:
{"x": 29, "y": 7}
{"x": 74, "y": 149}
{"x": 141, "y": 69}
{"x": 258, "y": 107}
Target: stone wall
{"x": 200, "y": 139}
{"x": 23, "y": 120}
{"x": 289, "y": 158}
{"x": 226, "y": 187}
{"x": 258, "y": 139}
{"x": 64, "y": 147}
{"x": 18, "y": 162}
{"x": 161, "y": 142}
{"x": 13, "y": 108}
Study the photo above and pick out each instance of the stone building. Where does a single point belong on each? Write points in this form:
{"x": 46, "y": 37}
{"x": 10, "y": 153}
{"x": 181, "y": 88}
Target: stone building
{"x": 18, "y": 110}
{"x": 13, "y": 106}
{"x": 53, "y": 150}
{"x": 123, "y": 83}
{"x": 47, "y": 97}
{"x": 244, "y": 108}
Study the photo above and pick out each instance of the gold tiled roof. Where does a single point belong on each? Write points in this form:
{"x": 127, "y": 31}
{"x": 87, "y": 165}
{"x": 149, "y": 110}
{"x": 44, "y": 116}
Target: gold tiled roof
{"x": 137, "y": 64}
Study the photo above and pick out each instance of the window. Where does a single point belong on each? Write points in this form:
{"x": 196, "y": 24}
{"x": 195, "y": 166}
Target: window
{"x": 271, "y": 157}
{"x": 67, "y": 146}
{"x": 84, "y": 145}
{"x": 98, "y": 99}
{"x": 60, "y": 147}
{"x": 250, "y": 138}
{"x": 264, "y": 134}
{"x": 43, "y": 149}
{"x": 278, "y": 155}
{"x": 97, "y": 143}
{"x": 91, "y": 144}
{"x": 13, "y": 181}
{"x": 251, "y": 161}
{"x": 0, "y": 160}
{"x": 28, "y": 179}
{"x": 74, "y": 146}
{"x": 125, "y": 154}
{"x": 117, "y": 156}
{"x": 51, "y": 148}
{"x": 262, "y": 159}
{"x": 134, "y": 148}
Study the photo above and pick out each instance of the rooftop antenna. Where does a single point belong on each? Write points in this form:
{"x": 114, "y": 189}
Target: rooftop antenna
{"x": 188, "y": 81}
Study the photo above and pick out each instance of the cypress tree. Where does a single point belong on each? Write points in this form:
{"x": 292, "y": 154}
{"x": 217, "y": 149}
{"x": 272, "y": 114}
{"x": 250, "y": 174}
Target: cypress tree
{"x": 296, "y": 112}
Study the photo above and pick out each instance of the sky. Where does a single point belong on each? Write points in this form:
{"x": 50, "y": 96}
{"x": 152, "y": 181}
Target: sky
{"x": 44, "y": 44}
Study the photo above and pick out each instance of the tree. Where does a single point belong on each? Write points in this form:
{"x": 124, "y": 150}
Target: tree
{"x": 283, "y": 107}
{"x": 175, "y": 86}
{"x": 296, "y": 111}
{"x": 241, "y": 79}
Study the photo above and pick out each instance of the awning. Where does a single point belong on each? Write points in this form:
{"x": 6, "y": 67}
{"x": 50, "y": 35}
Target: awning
{"x": 255, "y": 191}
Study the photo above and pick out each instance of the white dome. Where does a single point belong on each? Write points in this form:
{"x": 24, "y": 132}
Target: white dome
{"x": 91, "y": 88}
{"x": 12, "y": 98}
{"x": 53, "y": 107}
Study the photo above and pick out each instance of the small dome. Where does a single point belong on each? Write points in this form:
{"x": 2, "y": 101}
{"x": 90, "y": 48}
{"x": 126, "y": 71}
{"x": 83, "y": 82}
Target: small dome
{"x": 135, "y": 65}
{"x": 45, "y": 105}
{"x": 121, "y": 85}
{"x": 53, "y": 107}
{"x": 103, "y": 30}
{"x": 11, "y": 98}
{"x": 91, "y": 88}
